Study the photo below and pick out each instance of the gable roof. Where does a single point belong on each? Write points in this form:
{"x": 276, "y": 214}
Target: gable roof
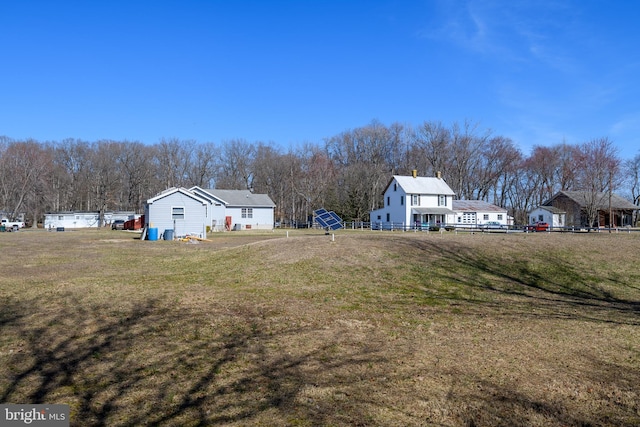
{"x": 205, "y": 194}
{"x": 242, "y": 198}
{"x": 175, "y": 190}
{"x": 476, "y": 206}
{"x": 584, "y": 198}
{"x": 422, "y": 185}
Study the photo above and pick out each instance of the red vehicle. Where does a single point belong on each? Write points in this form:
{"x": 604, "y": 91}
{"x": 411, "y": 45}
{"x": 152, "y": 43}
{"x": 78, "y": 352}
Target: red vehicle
{"x": 538, "y": 226}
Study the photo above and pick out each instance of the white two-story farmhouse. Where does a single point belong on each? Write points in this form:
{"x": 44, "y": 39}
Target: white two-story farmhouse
{"x": 414, "y": 202}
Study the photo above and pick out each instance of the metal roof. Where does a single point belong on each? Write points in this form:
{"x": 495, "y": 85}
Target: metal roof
{"x": 422, "y": 185}
{"x": 433, "y": 211}
{"x": 476, "y": 206}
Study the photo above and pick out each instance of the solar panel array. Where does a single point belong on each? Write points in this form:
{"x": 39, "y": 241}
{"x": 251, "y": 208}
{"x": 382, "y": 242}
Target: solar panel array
{"x": 328, "y": 219}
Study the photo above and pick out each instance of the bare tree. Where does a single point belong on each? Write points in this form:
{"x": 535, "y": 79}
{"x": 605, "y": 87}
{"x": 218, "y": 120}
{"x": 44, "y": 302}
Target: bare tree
{"x": 632, "y": 172}
{"x": 23, "y": 165}
{"x": 500, "y": 162}
{"x": 597, "y": 175}
{"x": 235, "y": 165}
{"x": 136, "y": 169}
{"x": 466, "y": 159}
{"x": 203, "y": 165}
{"x": 431, "y": 148}
{"x": 523, "y": 193}
{"x": 105, "y": 177}
{"x": 173, "y": 157}
{"x": 73, "y": 173}
{"x": 363, "y": 159}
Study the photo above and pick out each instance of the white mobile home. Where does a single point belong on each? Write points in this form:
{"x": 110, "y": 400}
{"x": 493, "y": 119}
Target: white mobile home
{"x": 55, "y": 220}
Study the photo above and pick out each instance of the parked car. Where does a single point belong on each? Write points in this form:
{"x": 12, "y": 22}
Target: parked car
{"x": 118, "y": 224}
{"x": 538, "y": 226}
{"x": 495, "y": 225}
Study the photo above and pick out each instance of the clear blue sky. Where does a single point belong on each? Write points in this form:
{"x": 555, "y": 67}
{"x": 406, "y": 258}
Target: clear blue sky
{"x": 290, "y": 72}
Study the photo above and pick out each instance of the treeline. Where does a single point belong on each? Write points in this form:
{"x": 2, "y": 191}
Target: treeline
{"x": 346, "y": 173}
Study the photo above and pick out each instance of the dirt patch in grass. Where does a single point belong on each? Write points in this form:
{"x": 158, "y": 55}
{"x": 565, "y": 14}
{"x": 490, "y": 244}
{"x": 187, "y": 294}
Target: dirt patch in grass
{"x": 367, "y": 328}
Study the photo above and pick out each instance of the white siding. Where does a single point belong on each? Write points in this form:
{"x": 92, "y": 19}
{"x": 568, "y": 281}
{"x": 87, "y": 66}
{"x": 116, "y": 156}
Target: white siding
{"x": 261, "y": 218}
{"x": 72, "y": 220}
{"x": 82, "y": 219}
{"x": 398, "y": 207}
{"x": 160, "y": 216}
{"x": 554, "y": 220}
{"x": 218, "y": 214}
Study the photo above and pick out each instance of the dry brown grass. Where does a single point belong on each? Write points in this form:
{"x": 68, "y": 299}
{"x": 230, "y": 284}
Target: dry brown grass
{"x": 372, "y": 329}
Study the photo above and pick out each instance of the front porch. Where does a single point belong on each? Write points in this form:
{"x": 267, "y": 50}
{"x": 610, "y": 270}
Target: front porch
{"x": 426, "y": 217}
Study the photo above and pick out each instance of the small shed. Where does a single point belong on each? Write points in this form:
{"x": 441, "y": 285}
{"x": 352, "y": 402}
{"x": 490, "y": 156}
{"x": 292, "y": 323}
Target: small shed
{"x": 553, "y": 216}
{"x": 179, "y": 210}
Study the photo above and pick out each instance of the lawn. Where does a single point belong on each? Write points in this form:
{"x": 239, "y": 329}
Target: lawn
{"x": 364, "y": 329}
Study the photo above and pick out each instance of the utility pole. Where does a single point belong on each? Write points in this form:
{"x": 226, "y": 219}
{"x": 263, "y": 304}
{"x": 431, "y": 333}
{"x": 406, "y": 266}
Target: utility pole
{"x": 610, "y": 210}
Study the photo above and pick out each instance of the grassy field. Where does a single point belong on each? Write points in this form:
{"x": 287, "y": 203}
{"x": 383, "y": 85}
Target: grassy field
{"x": 367, "y": 329}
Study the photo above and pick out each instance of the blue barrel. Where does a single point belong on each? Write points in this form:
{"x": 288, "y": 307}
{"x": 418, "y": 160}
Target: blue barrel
{"x": 153, "y": 234}
{"x": 168, "y": 234}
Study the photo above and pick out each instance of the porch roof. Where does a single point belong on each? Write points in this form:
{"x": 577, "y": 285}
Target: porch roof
{"x": 432, "y": 211}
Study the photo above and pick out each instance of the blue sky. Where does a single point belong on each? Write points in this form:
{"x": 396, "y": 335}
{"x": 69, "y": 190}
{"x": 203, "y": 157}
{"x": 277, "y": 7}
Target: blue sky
{"x": 291, "y": 72}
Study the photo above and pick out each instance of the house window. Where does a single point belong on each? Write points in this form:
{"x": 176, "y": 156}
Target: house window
{"x": 388, "y": 201}
{"x": 540, "y": 218}
{"x": 177, "y": 212}
{"x": 247, "y": 212}
{"x": 485, "y": 217}
{"x": 395, "y": 186}
{"x": 379, "y": 217}
{"x": 442, "y": 200}
{"x": 499, "y": 217}
{"x": 401, "y": 200}
{"x": 60, "y": 218}
{"x": 459, "y": 219}
{"x": 415, "y": 200}
{"x": 388, "y": 217}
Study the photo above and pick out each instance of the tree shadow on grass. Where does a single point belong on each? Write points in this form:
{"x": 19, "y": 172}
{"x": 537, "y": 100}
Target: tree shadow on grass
{"x": 610, "y": 389}
{"x": 549, "y": 286}
{"x": 152, "y": 364}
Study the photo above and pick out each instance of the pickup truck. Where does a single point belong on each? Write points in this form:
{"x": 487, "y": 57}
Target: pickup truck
{"x": 538, "y": 226}
{"x": 7, "y": 225}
